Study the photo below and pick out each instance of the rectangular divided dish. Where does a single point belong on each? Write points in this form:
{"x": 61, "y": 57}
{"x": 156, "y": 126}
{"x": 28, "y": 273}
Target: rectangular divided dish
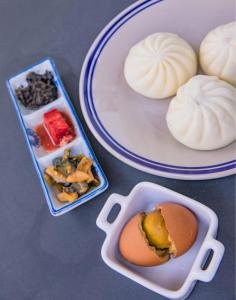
{"x": 176, "y": 278}
{"x": 29, "y": 119}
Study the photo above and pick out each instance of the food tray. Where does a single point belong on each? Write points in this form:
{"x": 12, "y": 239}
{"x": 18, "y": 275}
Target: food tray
{"x": 79, "y": 145}
{"x": 176, "y": 278}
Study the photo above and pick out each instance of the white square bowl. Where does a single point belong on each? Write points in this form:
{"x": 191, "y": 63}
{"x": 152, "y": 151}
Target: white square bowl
{"x": 176, "y": 278}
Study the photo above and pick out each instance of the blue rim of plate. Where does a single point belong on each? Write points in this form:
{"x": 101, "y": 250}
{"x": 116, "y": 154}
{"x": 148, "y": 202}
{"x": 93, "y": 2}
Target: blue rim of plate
{"x": 98, "y": 47}
{"x": 104, "y": 182}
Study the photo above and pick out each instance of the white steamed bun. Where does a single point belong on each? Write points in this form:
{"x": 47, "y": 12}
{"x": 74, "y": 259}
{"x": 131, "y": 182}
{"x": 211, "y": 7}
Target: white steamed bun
{"x": 218, "y": 53}
{"x": 202, "y": 116}
{"x": 158, "y": 65}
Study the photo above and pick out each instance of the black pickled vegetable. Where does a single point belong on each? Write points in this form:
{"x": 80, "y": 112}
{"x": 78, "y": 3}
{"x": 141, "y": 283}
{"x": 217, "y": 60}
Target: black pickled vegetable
{"x": 81, "y": 188}
{"x": 64, "y": 166}
{"x": 41, "y": 90}
{"x": 57, "y": 161}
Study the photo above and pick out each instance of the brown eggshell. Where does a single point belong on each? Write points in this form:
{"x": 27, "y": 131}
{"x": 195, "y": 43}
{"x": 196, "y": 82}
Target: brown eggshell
{"x": 181, "y": 224}
{"x": 134, "y": 248}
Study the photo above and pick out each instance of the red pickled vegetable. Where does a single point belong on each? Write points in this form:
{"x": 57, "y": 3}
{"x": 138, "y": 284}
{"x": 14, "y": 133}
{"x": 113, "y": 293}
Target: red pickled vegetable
{"x": 59, "y": 129}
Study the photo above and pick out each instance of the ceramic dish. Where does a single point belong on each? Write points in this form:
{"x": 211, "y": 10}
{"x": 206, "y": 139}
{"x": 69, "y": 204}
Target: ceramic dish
{"x": 176, "y": 278}
{"x": 130, "y": 126}
{"x": 79, "y": 145}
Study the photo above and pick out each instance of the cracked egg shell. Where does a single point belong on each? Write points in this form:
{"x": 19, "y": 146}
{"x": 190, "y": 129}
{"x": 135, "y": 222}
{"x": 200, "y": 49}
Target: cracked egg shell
{"x": 134, "y": 248}
{"x": 181, "y": 225}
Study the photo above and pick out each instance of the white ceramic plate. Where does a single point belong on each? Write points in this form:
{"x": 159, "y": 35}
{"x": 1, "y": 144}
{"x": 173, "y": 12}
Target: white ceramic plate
{"x": 130, "y": 126}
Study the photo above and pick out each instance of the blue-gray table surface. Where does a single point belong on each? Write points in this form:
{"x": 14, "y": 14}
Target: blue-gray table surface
{"x": 46, "y": 258}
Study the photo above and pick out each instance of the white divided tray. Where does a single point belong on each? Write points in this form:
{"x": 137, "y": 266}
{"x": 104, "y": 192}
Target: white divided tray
{"x": 176, "y": 278}
{"x": 29, "y": 119}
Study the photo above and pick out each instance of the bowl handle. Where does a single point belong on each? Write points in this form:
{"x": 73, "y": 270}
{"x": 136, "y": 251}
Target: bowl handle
{"x": 102, "y": 222}
{"x": 218, "y": 252}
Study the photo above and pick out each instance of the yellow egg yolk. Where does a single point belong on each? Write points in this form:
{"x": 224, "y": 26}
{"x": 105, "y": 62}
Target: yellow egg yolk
{"x": 154, "y": 227}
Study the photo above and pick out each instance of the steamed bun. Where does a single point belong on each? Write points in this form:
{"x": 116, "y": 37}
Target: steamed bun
{"x": 158, "y": 65}
{"x": 218, "y": 53}
{"x": 202, "y": 116}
